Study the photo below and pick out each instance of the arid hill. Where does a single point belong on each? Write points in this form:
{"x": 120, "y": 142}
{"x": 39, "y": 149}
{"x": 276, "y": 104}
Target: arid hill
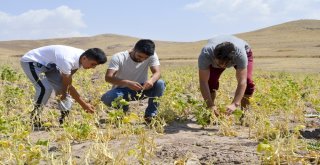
{"x": 292, "y": 39}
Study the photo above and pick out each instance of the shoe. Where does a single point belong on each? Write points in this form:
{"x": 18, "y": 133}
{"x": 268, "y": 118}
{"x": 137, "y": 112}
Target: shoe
{"x": 63, "y": 115}
{"x": 148, "y": 119}
{"x": 35, "y": 120}
{"x": 37, "y": 124}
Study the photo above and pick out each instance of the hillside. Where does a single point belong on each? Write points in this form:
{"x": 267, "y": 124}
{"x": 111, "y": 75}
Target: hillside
{"x": 109, "y": 42}
{"x": 281, "y": 125}
{"x": 295, "y": 39}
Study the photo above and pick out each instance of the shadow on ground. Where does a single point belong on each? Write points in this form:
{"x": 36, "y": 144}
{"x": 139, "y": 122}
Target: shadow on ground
{"x": 311, "y": 134}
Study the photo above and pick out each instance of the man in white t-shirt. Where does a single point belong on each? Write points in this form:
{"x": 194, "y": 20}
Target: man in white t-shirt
{"x": 51, "y": 68}
{"x": 128, "y": 72}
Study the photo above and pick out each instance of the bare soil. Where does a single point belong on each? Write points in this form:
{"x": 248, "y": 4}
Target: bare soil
{"x": 184, "y": 142}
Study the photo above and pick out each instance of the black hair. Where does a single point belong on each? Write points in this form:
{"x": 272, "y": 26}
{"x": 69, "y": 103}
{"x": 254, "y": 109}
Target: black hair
{"x": 96, "y": 54}
{"x": 224, "y": 51}
{"x": 145, "y": 46}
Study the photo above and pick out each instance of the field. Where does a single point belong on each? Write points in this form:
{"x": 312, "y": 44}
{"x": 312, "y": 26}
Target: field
{"x": 272, "y": 131}
{"x": 282, "y": 126}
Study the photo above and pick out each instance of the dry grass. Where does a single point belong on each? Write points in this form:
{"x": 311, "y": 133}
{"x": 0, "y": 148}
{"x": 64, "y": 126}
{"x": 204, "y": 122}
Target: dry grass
{"x": 292, "y": 46}
{"x": 293, "y": 39}
{"x": 85, "y": 139}
{"x": 303, "y": 65}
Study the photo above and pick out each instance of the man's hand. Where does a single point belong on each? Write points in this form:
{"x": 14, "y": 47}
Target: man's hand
{"x": 63, "y": 96}
{"x": 147, "y": 85}
{"x": 88, "y": 108}
{"x": 230, "y": 108}
{"x": 134, "y": 86}
{"x": 214, "y": 109}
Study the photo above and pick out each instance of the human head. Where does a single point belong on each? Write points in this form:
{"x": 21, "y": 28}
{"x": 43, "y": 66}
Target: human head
{"x": 223, "y": 53}
{"x": 92, "y": 57}
{"x": 145, "y": 46}
{"x": 142, "y": 50}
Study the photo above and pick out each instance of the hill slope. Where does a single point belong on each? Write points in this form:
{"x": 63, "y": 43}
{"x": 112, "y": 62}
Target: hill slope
{"x": 295, "y": 39}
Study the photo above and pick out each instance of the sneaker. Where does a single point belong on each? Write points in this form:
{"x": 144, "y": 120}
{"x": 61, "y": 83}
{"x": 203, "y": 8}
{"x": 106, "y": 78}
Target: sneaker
{"x": 37, "y": 124}
{"x": 35, "y": 120}
{"x": 148, "y": 119}
{"x": 63, "y": 115}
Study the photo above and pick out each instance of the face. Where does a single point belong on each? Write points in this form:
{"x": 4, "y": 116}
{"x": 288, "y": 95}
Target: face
{"x": 220, "y": 63}
{"x": 138, "y": 56}
{"x": 88, "y": 63}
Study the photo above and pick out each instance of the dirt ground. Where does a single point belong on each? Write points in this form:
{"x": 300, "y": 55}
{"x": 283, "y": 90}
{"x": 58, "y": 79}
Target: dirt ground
{"x": 186, "y": 142}
{"x": 203, "y": 146}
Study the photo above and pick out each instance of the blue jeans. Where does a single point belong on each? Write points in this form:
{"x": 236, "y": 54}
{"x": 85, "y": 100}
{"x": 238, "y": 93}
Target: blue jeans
{"x": 129, "y": 95}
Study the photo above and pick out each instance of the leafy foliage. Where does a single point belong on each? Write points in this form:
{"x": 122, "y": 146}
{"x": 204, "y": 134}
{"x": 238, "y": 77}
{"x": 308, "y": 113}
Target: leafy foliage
{"x": 273, "y": 119}
{"x": 8, "y": 74}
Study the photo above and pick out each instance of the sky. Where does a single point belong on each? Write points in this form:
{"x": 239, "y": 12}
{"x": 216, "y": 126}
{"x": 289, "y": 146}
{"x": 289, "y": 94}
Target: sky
{"x": 166, "y": 20}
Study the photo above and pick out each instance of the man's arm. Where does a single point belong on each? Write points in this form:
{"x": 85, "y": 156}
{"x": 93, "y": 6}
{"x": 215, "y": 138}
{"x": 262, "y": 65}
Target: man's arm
{"x": 241, "y": 75}
{"x": 109, "y": 77}
{"x": 66, "y": 83}
{"x": 155, "y": 70}
{"x": 68, "y": 88}
{"x": 204, "y": 86}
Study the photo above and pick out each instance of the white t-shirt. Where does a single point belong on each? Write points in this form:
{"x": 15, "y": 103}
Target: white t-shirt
{"x": 66, "y": 58}
{"x": 130, "y": 70}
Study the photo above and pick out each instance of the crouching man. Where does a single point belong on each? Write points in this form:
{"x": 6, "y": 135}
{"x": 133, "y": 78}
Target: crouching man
{"x": 128, "y": 72}
{"x": 51, "y": 68}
